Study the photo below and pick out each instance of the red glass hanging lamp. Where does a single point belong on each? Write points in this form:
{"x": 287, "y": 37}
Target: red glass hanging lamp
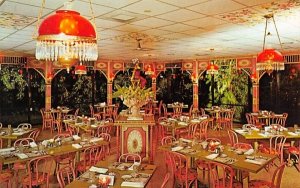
{"x": 66, "y": 37}
{"x": 270, "y": 59}
{"x": 212, "y": 68}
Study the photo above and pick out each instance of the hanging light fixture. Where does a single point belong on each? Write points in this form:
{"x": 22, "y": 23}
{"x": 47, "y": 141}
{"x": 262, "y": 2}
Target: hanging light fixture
{"x": 212, "y": 68}
{"x": 149, "y": 70}
{"x": 80, "y": 69}
{"x": 66, "y": 37}
{"x": 270, "y": 59}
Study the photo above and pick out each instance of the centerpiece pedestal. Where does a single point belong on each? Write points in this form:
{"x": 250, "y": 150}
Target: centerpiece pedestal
{"x": 135, "y": 136}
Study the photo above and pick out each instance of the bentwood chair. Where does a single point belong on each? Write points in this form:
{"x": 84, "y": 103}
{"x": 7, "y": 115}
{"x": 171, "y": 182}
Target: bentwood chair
{"x": 294, "y": 152}
{"x": 221, "y": 176}
{"x": 252, "y": 119}
{"x": 38, "y": 172}
{"x": 106, "y": 148}
{"x": 166, "y": 179}
{"x": 127, "y": 157}
{"x": 90, "y": 156}
{"x": 94, "y": 114}
{"x": 279, "y": 119}
{"x": 276, "y": 144}
{"x": 198, "y": 130}
{"x": 233, "y": 137}
{"x": 275, "y": 181}
{"x": 202, "y": 164}
{"x": 6, "y": 176}
{"x": 24, "y": 126}
{"x": 184, "y": 175}
{"x": 166, "y": 141}
{"x": 34, "y": 134}
{"x": 47, "y": 120}
{"x": 65, "y": 176}
{"x": 23, "y": 142}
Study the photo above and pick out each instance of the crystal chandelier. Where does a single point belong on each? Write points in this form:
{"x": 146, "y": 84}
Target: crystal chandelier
{"x": 270, "y": 59}
{"x": 66, "y": 37}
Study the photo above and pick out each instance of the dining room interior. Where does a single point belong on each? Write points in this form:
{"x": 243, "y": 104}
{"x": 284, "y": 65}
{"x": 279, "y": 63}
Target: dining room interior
{"x": 149, "y": 93}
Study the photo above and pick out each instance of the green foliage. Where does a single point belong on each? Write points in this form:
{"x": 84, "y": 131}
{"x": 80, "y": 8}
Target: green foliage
{"x": 133, "y": 91}
{"x": 231, "y": 88}
{"x": 12, "y": 80}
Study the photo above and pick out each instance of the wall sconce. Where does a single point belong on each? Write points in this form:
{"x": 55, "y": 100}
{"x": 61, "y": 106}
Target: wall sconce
{"x": 194, "y": 77}
{"x": 253, "y": 78}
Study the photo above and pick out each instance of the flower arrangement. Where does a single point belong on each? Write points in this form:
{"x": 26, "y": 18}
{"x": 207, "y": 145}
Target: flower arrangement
{"x": 134, "y": 97}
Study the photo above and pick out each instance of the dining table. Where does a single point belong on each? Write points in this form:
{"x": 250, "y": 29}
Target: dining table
{"x": 174, "y": 125}
{"x": 250, "y": 161}
{"x": 87, "y": 125}
{"x": 14, "y": 135}
{"x": 50, "y": 147}
{"x": 216, "y": 113}
{"x": 120, "y": 174}
{"x": 255, "y": 134}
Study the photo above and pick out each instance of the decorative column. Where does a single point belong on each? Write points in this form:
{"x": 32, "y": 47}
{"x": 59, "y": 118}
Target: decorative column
{"x": 194, "y": 78}
{"x": 48, "y": 81}
{"x": 109, "y": 91}
{"x": 195, "y": 94}
{"x": 255, "y": 96}
{"x": 154, "y": 87}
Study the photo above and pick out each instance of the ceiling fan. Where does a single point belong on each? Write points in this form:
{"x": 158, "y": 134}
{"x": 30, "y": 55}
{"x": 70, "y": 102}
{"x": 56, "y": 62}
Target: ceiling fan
{"x": 139, "y": 45}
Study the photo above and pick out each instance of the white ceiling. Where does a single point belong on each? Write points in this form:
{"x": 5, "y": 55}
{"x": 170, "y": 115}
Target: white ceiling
{"x": 169, "y": 29}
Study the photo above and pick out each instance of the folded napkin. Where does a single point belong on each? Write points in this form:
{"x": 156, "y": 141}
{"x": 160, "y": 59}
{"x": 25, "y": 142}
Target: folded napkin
{"x": 204, "y": 117}
{"x": 195, "y": 121}
{"x": 263, "y": 134}
{"x": 256, "y": 161}
{"x": 172, "y": 119}
{"x": 93, "y": 186}
{"x": 177, "y": 148}
{"x": 77, "y": 146}
{"x": 278, "y": 115}
{"x": 94, "y": 126}
{"x": 18, "y": 133}
{"x": 76, "y": 137}
{"x": 7, "y": 149}
{"x": 78, "y": 124}
{"x": 112, "y": 178}
{"x": 32, "y": 144}
{"x": 255, "y": 129}
{"x": 21, "y": 155}
{"x": 212, "y": 156}
{"x": 98, "y": 170}
{"x": 249, "y": 152}
{"x": 292, "y": 134}
{"x": 96, "y": 139}
{"x": 134, "y": 164}
{"x": 182, "y": 124}
{"x": 185, "y": 140}
{"x": 132, "y": 184}
{"x": 240, "y": 131}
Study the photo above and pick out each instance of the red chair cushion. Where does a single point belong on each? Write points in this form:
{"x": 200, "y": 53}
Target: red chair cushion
{"x": 259, "y": 183}
{"x": 293, "y": 150}
{"x": 41, "y": 179}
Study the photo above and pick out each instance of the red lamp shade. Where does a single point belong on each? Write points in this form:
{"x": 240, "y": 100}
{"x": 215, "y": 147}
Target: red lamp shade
{"x": 67, "y": 22}
{"x": 212, "y": 69}
{"x": 269, "y": 60}
{"x": 66, "y": 37}
{"x": 80, "y": 69}
{"x": 149, "y": 70}
{"x": 253, "y": 76}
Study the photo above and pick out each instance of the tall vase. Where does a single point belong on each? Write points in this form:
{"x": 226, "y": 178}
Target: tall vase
{"x": 135, "y": 111}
